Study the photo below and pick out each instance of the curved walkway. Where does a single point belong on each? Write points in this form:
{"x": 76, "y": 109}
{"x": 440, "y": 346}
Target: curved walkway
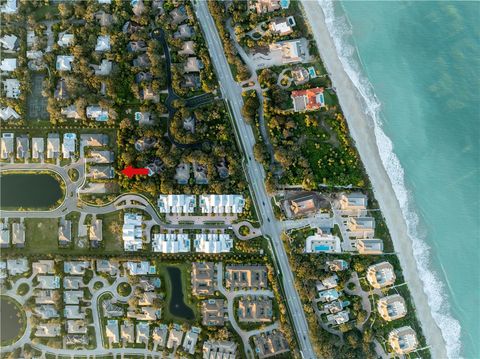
{"x": 358, "y": 291}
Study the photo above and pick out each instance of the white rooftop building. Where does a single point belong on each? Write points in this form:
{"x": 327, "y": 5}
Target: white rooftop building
{"x": 17, "y": 266}
{"x": 132, "y": 232}
{"x": 213, "y": 243}
{"x": 8, "y": 65}
{"x": 176, "y": 203}
{"x": 97, "y": 113}
{"x": 322, "y": 243}
{"x": 111, "y": 331}
{"x": 53, "y": 145}
{"x": 222, "y": 203}
{"x": 9, "y": 42}
{"x": 8, "y": 113}
{"x": 103, "y": 43}
{"x": 64, "y": 62}
{"x": 9, "y": 7}
{"x": 12, "y": 88}
{"x": 139, "y": 268}
{"x": 219, "y": 350}
{"x": 171, "y": 243}
{"x": 6, "y": 145}
{"x": 65, "y": 39}
{"x": 190, "y": 340}
{"x": 69, "y": 144}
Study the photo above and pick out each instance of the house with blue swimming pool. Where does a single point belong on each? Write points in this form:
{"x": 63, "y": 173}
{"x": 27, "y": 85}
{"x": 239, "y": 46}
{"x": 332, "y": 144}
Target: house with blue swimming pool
{"x": 322, "y": 243}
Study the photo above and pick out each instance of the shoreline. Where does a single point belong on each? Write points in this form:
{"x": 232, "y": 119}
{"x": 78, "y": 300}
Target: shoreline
{"x": 362, "y": 130}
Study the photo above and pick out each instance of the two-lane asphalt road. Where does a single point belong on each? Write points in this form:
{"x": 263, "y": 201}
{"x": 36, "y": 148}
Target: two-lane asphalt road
{"x": 271, "y": 227}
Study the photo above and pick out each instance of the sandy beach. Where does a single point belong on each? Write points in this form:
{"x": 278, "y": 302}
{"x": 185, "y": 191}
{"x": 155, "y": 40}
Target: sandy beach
{"x": 362, "y": 130}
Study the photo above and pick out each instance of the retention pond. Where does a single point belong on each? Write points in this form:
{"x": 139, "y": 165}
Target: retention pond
{"x": 177, "y": 305}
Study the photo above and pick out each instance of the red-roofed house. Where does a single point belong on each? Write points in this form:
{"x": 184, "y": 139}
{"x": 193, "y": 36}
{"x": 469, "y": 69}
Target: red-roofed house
{"x": 308, "y": 100}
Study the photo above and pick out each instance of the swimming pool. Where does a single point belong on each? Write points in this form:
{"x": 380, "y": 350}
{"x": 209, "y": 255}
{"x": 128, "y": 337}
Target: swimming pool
{"x": 322, "y": 248}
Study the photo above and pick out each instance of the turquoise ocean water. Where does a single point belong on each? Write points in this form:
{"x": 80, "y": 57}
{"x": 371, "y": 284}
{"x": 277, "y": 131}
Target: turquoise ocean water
{"x": 417, "y": 64}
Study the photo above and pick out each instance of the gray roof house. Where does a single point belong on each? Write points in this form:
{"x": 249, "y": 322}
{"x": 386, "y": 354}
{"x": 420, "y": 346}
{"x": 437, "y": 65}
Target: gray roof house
{"x": 23, "y": 147}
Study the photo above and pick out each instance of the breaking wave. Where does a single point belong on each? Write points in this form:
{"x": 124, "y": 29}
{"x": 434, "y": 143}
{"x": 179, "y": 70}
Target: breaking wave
{"x": 340, "y": 31}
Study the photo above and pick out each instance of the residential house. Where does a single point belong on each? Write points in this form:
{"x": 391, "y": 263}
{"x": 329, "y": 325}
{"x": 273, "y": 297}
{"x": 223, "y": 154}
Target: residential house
{"x": 69, "y": 145}
{"x": 171, "y": 243}
{"x": 300, "y": 75}
{"x": 219, "y": 350}
{"x": 43, "y": 266}
{"x": 94, "y": 140}
{"x": 4, "y": 235}
{"x": 18, "y": 234}
{"x": 159, "y": 335}
{"x": 137, "y": 46}
{"x": 190, "y": 340}
{"x": 46, "y": 297}
{"x": 47, "y": 330}
{"x": 46, "y": 311}
{"x": 97, "y": 113}
{"x": 9, "y": 7}
{"x": 182, "y": 173}
{"x": 214, "y": 312}
{"x": 175, "y": 338}
{"x": 9, "y": 42}
{"x": 246, "y": 277}
{"x": 103, "y": 43}
{"x": 65, "y": 233}
{"x": 222, "y": 203}
{"x": 132, "y": 232}
{"x": 65, "y": 39}
{"x": 73, "y": 312}
{"x": 53, "y": 145}
{"x": 403, "y": 340}
{"x": 6, "y": 146}
{"x": 176, "y": 203}
{"x": 111, "y": 310}
{"x": 143, "y": 333}
{"x": 127, "y": 332}
{"x": 308, "y": 100}
{"x": 255, "y": 309}
{"x": 11, "y": 88}
{"x": 193, "y": 64}
{"x": 8, "y": 113}
{"x": 17, "y": 266}
{"x": 203, "y": 278}
{"x": 282, "y": 25}
{"x": 95, "y": 233}
{"x": 148, "y": 94}
{"x": 8, "y": 65}
{"x": 188, "y": 48}
{"x": 327, "y": 283}
{"x": 338, "y": 318}
{"x": 71, "y": 112}
{"x": 213, "y": 243}
{"x": 178, "y": 15}
{"x": 369, "y": 246}
{"x": 139, "y": 268}
{"x": 71, "y": 297}
{"x": 305, "y": 204}
{"x": 72, "y": 282}
{"x": 328, "y": 295}
{"x": 38, "y": 148}
{"x": 143, "y": 77}
{"x": 101, "y": 172}
{"x": 184, "y": 31}
{"x": 266, "y": 6}
{"x": 141, "y": 61}
{"x": 110, "y": 267}
{"x": 337, "y": 265}
{"x": 23, "y": 147}
{"x": 392, "y": 307}
{"x": 360, "y": 227}
{"x": 104, "y": 69}
{"x": 191, "y": 81}
{"x": 48, "y": 282}
{"x": 75, "y": 267}
{"x": 64, "y": 62}
{"x": 381, "y": 275}
{"x": 353, "y": 201}
{"x": 269, "y": 344}
{"x": 101, "y": 156}
{"x": 111, "y": 331}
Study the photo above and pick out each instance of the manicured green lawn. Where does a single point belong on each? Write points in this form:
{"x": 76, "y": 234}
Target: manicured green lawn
{"x": 41, "y": 235}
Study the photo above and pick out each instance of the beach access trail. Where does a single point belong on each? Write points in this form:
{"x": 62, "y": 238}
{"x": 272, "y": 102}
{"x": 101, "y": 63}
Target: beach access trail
{"x": 362, "y": 131}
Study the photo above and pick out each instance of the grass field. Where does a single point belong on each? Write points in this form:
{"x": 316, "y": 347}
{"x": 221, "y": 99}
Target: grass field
{"x": 112, "y": 241}
{"x": 41, "y": 235}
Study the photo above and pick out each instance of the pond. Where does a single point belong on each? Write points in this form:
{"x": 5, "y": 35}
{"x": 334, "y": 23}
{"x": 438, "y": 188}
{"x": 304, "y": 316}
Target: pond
{"x": 29, "y": 190}
{"x": 177, "y": 306}
{"x": 12, "y": 320}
